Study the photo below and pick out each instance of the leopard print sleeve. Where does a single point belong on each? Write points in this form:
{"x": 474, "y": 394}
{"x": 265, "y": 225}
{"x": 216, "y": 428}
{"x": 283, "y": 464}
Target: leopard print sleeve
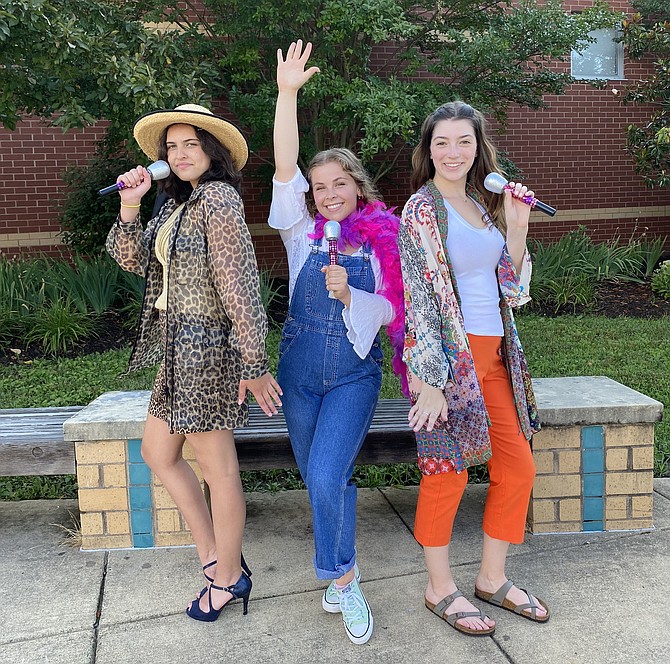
{"x": 128, "y": 244}
{"x": 233, "y": 267}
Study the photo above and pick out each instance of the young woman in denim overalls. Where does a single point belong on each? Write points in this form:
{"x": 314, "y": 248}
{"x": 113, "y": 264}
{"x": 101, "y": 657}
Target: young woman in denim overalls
{"x": 330, "y": 355}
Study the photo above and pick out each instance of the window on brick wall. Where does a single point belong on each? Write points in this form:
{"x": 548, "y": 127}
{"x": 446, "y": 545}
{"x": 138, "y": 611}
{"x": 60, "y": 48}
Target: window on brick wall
{"x": 602, "y": 59}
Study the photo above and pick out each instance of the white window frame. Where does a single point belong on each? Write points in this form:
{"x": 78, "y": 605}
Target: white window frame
{"x": 594, "y": 51}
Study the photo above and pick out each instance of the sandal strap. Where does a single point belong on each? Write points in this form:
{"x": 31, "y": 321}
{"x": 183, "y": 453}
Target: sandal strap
{"x": 442, "y": 606}
{"x": 207, "y": 566}
{"x": 499, "y": 596}
{"x": 451, "y": 618}
{"x": 530, "y": 605}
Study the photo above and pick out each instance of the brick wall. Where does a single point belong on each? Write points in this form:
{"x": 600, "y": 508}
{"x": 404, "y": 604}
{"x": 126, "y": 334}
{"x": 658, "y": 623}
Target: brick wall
{"x": 571, "y": 153}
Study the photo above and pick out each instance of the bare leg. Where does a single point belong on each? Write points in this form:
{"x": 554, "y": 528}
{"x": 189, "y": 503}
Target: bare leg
{"x": 162, "y": 451}
{"x": 347, "y": 578}
{"x": 492, "y": 572}
{"x": 441, "y": 583}
{"x": 216, "y": 456}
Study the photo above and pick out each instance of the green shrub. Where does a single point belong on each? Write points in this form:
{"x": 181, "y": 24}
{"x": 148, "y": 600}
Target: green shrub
{"x": 652, "y": 252}
{"x": 566, "y": 272}
{"x": 660, "y": 282}
{"x": 58, "y": 325}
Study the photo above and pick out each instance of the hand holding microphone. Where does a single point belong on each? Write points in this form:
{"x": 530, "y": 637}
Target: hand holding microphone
{"x": 496, "y": 183}
{"x": 331, "y": 231}
{"x": 159, "y": 170}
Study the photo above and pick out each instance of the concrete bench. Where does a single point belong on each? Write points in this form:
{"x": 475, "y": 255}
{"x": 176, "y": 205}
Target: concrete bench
{"x": 594, "y": 461}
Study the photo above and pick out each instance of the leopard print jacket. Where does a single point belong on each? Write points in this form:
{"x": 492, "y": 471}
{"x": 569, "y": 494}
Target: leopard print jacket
{"x": 216, "y": 325}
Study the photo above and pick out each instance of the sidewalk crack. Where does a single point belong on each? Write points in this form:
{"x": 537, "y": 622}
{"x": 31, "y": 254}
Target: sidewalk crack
{"x": 98, "y": 610}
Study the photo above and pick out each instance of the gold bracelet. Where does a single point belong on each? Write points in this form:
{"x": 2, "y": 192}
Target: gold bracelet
{"x": 130, "y": 206}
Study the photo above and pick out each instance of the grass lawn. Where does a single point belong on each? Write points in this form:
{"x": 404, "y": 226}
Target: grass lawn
{"x": 632, "y": 351}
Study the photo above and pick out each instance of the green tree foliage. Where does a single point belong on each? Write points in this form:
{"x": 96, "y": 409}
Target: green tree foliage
{"x": 78, "y": 61}
{"x": 647, "y": 35}
{"x": 384, "y": 64}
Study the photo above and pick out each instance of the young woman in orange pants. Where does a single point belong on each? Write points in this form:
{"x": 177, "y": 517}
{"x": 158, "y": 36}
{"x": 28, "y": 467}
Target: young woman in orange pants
{"x": 465, "y": 265}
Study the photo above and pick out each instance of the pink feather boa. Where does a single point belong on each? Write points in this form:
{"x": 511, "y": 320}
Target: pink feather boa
{"x": 373, "y": 224}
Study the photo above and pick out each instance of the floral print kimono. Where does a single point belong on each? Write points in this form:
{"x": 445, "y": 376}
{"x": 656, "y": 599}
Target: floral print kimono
{"x": 436, "y": 344}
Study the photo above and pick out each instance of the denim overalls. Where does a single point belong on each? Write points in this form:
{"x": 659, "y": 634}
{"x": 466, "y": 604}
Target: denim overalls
{"x": 329, "y": 398}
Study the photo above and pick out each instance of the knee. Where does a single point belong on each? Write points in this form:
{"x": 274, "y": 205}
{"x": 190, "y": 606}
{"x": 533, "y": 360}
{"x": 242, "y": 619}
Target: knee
{"x": 325, "y": 490}
{"x": 157, "y": 457}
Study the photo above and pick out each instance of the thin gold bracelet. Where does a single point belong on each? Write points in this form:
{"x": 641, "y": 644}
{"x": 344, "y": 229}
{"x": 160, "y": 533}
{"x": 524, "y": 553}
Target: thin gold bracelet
{"x": 130, "y": 206}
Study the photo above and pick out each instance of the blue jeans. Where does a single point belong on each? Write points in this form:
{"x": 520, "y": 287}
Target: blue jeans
{"x": 329, "y": 400}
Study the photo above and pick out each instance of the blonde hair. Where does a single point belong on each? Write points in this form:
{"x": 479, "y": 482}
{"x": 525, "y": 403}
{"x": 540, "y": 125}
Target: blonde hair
{"x": 350, "y": 164}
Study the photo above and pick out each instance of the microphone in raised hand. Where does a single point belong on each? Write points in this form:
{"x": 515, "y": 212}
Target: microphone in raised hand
{"x": 331, "y": 231}
{"x": 159, "y": 170}
{"x": 496, "y": 184}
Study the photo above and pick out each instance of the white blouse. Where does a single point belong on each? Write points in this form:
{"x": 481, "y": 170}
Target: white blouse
{"x": 367, "y": 312}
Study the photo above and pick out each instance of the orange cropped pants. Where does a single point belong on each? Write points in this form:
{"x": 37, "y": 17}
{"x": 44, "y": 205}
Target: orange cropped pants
{"x": 511, "y": 467}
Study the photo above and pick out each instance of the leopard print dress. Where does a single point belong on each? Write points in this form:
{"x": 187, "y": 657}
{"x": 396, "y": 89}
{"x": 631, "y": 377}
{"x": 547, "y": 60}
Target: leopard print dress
{"x": 215, "y": 326}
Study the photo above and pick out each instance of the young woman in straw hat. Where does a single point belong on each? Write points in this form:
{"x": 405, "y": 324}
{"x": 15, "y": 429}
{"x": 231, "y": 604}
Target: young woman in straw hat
{"x": 202, "y": 315}
{"x": 330, "y": 354}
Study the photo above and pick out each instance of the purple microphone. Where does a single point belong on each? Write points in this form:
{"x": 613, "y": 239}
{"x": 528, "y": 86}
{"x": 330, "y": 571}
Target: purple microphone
{"x": 496, "y": 184}
{"x": 159, "y": 170}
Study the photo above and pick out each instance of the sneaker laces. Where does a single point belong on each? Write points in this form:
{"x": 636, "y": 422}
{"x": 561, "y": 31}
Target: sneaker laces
{"x": 353, "y": 606}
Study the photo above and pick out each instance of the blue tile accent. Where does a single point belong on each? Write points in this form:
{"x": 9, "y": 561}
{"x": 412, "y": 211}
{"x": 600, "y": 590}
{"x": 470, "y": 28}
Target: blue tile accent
{"x": 140, "y": 498}
{"x": 592, "y": 437}
{"x": 134, "y": 454}
{"x": 593, "y": 478}
{"x": 593, "y": 461}
{"x": 593, "y": 526}
{"x": 143, "y": 541}
{"x": 139, "y": 473}
{"x": 593, "y": 509}
{"x": 593, "y": 485}
{"x": 141, "y": 522}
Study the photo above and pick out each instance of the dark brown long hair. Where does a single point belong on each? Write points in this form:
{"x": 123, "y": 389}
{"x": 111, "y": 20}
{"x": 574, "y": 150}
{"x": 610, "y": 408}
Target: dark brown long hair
{"x": 485, "y": 162}
{"x": 221, "y": 167}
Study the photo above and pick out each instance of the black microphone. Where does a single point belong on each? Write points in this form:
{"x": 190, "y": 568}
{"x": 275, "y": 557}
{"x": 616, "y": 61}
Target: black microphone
{"x": 496, "y": 183}
{"x": 159, "y": 170}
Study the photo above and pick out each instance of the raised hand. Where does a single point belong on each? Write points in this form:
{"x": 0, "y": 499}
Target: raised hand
{"x": 291, "y": 73}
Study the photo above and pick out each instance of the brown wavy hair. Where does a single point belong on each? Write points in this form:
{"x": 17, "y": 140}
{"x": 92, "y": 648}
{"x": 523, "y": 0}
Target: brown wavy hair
{"x": 221, "y": 167}
{"x": 486, "y": 160}
{"x": 350, "y": 164}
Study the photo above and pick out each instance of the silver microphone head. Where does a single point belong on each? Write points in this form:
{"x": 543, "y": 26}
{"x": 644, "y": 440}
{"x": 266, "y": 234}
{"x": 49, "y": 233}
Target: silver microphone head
{"x": 332, "y": 230}
{"x": 159, "y": 170}
{"x": 495, "y": 183}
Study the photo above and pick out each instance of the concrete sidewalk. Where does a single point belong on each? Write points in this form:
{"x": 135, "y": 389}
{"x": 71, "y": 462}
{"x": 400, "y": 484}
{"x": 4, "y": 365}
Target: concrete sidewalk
{"x": 609, "y": 593}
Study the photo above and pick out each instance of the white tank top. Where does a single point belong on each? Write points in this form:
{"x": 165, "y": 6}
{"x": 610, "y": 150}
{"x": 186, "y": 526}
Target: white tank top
{"x": 475, "y": 254}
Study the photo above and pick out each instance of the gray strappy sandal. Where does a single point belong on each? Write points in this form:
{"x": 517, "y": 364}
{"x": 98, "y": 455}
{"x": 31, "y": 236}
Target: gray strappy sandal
{"x": 499, "y": 598}
{"x": 440, "y": 609}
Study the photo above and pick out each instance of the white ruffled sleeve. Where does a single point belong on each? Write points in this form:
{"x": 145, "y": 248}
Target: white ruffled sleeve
{"x": 364, "y": 316}
{"x": 290, "y": 216}
{"x": 288, "y": 210}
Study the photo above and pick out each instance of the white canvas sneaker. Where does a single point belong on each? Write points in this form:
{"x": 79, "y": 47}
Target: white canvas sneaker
{"x": 356, "y": 614}
{"x": 330, "y": 601}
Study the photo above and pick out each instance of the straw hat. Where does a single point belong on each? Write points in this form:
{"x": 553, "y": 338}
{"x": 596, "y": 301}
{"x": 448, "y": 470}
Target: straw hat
{"x": 149, "y": 127}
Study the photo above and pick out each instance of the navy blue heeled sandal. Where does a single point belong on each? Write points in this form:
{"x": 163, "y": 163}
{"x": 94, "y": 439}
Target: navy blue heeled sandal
{"x": 243, "y": 563}
{"x": 240, "y": 590}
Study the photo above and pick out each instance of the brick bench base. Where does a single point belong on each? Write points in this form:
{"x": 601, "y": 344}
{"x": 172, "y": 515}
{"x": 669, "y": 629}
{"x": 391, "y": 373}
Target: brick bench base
{"x": 594, "y": 461}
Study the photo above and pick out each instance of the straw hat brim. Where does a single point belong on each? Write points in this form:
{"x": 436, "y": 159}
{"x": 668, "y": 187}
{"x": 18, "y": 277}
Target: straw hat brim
{"x": 149, "y": 127}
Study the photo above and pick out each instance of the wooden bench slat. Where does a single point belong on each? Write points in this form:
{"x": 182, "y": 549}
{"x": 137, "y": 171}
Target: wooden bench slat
{"x": 31, "y": 440}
